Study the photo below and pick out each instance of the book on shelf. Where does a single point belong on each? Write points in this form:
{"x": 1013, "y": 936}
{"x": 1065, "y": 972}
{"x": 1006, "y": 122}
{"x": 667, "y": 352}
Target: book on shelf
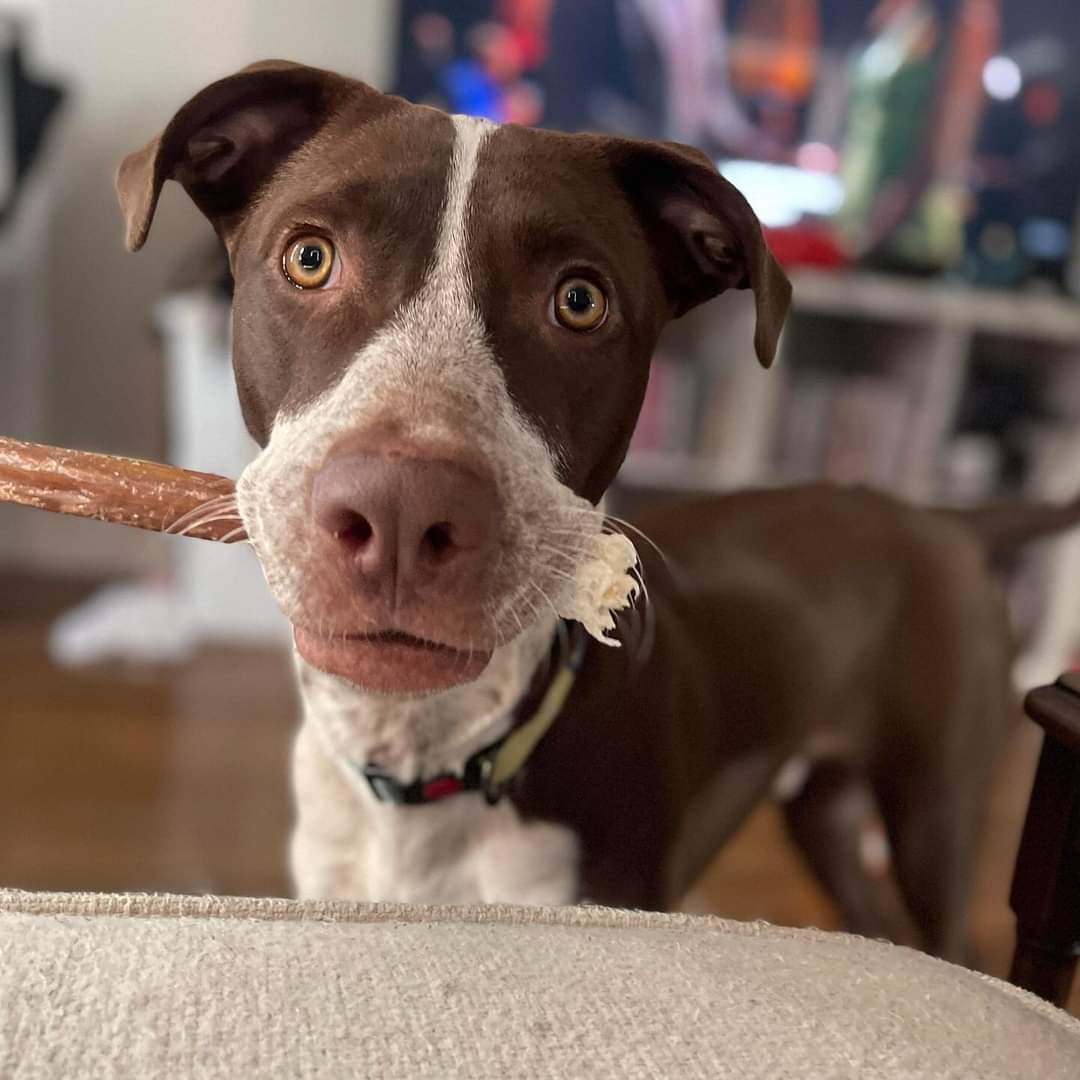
{"x": 669, "y": 416}
{"x": 801, "y": 431}
{"x": 867, "y": 430}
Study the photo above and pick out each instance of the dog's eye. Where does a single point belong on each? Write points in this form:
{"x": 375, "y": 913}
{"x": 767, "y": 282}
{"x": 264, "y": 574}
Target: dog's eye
{"x": 308, "y": 261}
{"x": 579, "y": 304}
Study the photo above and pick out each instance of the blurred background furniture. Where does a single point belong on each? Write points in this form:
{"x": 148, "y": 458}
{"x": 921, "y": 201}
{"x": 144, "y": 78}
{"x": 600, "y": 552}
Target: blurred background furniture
{"x": 1046, "y": 885}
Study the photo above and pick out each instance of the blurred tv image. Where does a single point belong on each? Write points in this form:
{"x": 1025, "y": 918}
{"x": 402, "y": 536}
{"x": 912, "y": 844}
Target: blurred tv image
{"x": 915, "y": 135}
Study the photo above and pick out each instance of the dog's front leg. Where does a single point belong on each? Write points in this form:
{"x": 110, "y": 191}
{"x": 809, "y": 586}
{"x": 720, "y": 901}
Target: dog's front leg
{"x": 714, "y": 816}
{"x": 328, "y": 842}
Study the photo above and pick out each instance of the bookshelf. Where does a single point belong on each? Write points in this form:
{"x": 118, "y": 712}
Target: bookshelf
{"x": 887, "y": 298}
{"x": 938, "y": 391}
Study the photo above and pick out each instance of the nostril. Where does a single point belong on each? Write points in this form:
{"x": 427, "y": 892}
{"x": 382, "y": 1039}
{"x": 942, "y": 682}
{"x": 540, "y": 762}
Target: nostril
{"x": 437, "y": 540}
{"x": 352, "y": 529}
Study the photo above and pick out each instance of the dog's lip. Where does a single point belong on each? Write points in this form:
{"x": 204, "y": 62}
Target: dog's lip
{"x": 397, "y": 637}
{"x": 391, "y": 660}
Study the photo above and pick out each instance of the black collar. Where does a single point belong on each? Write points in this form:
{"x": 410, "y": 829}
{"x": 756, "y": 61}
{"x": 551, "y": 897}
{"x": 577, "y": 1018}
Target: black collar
{"x": 491, "y": 769}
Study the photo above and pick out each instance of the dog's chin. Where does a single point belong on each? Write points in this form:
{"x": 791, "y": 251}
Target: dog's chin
{"x": 391, "y": 662}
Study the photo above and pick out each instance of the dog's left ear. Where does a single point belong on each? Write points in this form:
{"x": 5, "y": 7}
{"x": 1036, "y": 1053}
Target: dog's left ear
{"x": 228, "y": 139}
{"x": 704, "y": 234}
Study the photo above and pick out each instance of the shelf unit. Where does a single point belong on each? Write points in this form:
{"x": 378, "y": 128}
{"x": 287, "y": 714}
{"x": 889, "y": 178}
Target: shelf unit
{"x": 950, "y": 314}
{"x": 927, "y": 335}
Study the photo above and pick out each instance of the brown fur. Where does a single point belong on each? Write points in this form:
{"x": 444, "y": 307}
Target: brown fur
{"x": 836, "y": 623}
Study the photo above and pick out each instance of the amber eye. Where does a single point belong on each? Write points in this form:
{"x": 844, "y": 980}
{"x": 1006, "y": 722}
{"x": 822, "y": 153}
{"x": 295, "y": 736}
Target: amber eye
{"x": 308, "y": 261}
{"x": 579, "y": 304}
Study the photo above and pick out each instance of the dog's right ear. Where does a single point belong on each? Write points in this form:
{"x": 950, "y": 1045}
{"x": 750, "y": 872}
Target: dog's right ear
{"x": 705, "y": 236}
{"x": 227, "y": 140}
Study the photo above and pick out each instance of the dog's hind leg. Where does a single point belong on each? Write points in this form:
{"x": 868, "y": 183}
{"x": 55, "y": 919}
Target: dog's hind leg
{"x": 945, "y": 703}
{"x": 827, "y": 818}
{"x": 932, "y": 828}
{"x": 932, "y": 781}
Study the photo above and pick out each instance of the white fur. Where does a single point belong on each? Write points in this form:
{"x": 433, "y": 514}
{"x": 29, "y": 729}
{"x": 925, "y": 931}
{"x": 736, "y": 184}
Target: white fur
{"x": 349, "y": 846}
{"x": 430, "y": 374}
{"x": 454, "y": 852}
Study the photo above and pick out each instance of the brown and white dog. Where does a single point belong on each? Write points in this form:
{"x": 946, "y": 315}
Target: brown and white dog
{"x": 442, "y": 333}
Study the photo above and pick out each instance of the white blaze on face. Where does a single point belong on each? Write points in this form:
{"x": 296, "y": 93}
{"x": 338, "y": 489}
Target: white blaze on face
{"x": 431, "y": 375}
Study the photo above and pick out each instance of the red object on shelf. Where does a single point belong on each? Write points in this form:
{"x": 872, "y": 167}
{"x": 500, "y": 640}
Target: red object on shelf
{"x": 806, "y": 245}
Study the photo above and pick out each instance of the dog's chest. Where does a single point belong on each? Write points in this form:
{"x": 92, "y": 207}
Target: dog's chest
{"x": 461, "y": 850}
{"x": 350, "y": 845}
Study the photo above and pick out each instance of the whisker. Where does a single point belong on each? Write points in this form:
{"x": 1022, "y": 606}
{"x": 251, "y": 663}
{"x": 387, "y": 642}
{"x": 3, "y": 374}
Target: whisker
{"x": 229, "y": 537}
{"x": 203, "y": 522}
{"x": 567, "y": 532}
{"x": 550, "y": 602}
{"x": 639, "y": 532}
{"x": 560, "y": 573}
{"x": 198, "y": 523}
{"x": 214, "y": 505}
{"x": 494, "y": 626}
{"x": 638, "y": 574}
{"x": 572, "y": 556}
{"x": 525, "y": 599}
{"x": 647, "y": 620}
{"x": 617, "y": 524}
{"x": 517, "y": 618}
{"x": 206, "y": 504}
{"x": 613, "y": 529}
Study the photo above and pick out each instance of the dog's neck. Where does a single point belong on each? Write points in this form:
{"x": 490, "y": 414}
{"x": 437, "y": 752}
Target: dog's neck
{"x": 415, "y": 737}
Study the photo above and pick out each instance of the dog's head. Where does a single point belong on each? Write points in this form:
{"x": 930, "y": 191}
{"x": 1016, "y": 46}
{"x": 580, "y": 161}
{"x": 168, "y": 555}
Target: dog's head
{"x": 442, "y": 333}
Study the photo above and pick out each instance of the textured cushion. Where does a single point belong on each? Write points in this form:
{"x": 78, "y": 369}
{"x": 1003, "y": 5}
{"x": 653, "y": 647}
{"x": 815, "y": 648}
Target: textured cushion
{"x": 136, "y": 986}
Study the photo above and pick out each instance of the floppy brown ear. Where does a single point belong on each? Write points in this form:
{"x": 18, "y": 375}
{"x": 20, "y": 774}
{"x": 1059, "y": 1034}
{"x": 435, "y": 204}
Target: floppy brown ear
{"x": 228, "y": 139}
{"x": 704, "y": 234}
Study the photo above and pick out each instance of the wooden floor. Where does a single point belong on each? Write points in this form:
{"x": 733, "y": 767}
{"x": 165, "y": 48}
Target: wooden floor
{"x": 123, "y": 778}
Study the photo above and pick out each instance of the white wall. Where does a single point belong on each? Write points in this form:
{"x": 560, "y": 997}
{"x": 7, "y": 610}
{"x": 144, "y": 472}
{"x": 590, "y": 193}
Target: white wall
{"x": 128, "y": 65}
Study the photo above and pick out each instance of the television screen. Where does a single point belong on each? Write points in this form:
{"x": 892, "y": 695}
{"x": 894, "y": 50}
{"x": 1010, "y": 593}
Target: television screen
{"x": 920, "y": 135}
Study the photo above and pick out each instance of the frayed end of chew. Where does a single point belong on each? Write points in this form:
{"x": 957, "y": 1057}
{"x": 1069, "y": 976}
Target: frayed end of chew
{"x": 603, "y": 585}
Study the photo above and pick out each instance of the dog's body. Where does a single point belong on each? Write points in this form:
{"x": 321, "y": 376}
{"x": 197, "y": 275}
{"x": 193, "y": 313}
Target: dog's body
{"x": 837, "y": 626}
{"x": 442, "y": 332}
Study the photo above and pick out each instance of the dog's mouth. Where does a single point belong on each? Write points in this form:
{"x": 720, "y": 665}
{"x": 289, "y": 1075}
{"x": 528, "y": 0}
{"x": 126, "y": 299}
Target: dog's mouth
{"x": 391, "y": 661}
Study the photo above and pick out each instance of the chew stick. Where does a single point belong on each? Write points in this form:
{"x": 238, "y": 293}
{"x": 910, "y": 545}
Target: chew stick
{"x": 143, "y": 494}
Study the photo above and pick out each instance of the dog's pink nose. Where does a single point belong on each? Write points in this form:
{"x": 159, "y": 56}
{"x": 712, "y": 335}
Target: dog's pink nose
{"x": 407, "y": 524}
